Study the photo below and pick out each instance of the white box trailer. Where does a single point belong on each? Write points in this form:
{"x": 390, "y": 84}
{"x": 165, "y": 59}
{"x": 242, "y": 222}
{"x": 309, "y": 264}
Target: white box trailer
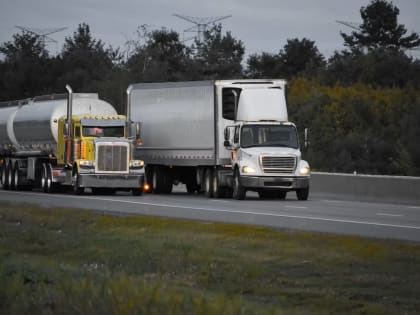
{"x": 198, "y": 133}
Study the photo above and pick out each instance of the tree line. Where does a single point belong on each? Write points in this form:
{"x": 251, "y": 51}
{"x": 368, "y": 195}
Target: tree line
{"x": 362, "y": 104}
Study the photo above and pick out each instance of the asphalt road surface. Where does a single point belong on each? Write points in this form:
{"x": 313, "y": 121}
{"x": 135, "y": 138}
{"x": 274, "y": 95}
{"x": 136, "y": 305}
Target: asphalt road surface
{"x": 320, "y": 213}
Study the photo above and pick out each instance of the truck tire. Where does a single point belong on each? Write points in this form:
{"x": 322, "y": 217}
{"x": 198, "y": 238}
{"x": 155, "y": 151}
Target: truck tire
{"x": 17, "y": 178}
{"x": 46, "y": 179}
{"x": 10, "y": 179}
{"x": 76, "y": 188}
{"x": 302, "y": 194}
{"x": 239, "y": 192}
{"x": 4, "y": 176}
{"x": 216, "y": 190}
{"x": 208, "y": 177}
{"x": 156, "y": 180}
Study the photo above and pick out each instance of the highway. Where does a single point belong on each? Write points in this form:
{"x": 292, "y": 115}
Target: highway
{"x": 320, "y": 213}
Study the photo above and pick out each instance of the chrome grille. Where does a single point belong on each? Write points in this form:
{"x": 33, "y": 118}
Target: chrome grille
{"x": 111, "y": 157}
{"x": 278, "y": 164}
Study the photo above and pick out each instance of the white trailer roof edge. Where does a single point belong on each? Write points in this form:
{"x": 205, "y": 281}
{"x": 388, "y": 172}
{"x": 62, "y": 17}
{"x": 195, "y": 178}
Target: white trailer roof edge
{"x": 237, "y": 82}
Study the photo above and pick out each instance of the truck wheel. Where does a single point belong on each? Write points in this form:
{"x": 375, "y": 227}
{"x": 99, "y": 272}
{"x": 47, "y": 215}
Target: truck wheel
{"x": 17, "y": 178}
{"x": 10, "y": 177}
{"x": 239, "y": 192}
{"x": 46, "y": 179}
{"x": 208, "y": 176}
{"x": 4, "y": 176}
{"x": 302, "y": 194}
{"x": 156, "y": 180}
{"x": 76, "y": 188}
{"x": 216, "y": 190}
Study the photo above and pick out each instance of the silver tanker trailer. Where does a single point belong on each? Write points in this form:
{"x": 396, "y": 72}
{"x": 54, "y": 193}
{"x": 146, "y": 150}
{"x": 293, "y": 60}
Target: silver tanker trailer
{"x": 71, "y": 140}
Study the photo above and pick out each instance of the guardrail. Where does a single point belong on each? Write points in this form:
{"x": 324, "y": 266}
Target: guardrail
{"x": 396, "y": 189}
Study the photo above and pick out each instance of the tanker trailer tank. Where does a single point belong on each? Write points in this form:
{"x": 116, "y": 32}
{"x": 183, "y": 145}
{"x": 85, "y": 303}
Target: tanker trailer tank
{"x": 33, "y": 127}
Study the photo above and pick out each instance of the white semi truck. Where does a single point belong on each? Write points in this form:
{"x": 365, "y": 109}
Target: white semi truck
{"x": 70, "y": 140}
{"x": 222, "y": 137}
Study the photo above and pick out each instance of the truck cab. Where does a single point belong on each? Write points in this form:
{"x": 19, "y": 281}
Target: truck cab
{"x": 266, "y": 158}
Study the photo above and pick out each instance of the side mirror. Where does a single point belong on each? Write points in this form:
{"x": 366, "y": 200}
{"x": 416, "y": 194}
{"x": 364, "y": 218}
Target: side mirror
{"x": 138, "y": 133}
{"x": 66, "y": 129}
{"x": 227, "y": 134}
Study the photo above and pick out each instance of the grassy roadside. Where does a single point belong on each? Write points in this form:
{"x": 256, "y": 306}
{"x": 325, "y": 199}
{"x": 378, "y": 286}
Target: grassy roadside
{"x": 63, "y": 261}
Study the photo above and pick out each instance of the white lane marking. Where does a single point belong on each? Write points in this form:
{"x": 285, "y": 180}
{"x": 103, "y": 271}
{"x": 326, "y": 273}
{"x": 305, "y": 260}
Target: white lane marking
{"x": 279, "y": 215}
{"x": 389, "y": 214}
{"x": 413, "y": 207}
{"x": 296, "y": 207}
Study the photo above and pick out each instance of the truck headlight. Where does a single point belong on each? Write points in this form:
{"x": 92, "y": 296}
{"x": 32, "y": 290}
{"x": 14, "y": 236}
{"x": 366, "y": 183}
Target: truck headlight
{"x": 86, "y": 163}
{"x": 136, "y": 163}
{"x": 248, "y": 169}
{"x": 305, "y": 170}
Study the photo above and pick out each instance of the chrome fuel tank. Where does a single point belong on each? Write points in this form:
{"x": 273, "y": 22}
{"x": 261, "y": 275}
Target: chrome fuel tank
{"x": 32, "y": 125}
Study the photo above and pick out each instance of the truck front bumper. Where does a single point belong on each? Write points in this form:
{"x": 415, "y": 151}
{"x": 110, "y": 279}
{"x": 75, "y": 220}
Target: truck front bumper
{"x": 111, "y": 180}
{"x": 275, "y": 182}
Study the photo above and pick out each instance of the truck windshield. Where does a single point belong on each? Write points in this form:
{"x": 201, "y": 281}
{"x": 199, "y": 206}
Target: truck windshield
{"x": 109, "y": 131}
{"x": 269, "y": 136}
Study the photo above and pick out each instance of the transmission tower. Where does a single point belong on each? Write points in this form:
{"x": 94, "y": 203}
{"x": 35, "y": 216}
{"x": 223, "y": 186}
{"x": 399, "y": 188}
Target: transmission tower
{"x": 43, "y": 34}
{"x": 200, "y": 24}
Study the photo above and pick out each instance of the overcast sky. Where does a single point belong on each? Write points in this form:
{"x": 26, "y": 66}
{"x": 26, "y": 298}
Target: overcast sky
{"x": 262, "y": 25}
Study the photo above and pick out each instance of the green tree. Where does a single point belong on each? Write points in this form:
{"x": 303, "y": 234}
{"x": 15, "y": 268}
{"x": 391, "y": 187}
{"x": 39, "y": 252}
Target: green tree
{"x": 380, "y": 29}
{"x": 85, "y": 61}
{"x": 300, "y": 57}
{"x": 26, "y": 68}
{"x": 219, "y": 56}
{"x": 263, "y": 65}
{"x": 159, "y": 56}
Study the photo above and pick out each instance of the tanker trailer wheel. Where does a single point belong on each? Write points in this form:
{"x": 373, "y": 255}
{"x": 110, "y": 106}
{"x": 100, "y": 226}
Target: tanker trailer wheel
{"x": 10, "y": 177}
{"x": 239, "y": 192}
{"x": 17, "y": 177}
{"x": 76, "y": 188}
{"x": 4, "y": 177}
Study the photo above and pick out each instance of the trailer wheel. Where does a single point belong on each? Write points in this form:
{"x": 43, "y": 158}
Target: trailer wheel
{"x": 156, "y": 180}
{"x": 17, "y": 178}
{"x": 239, "y": 192}
{"x": 208, "y": 178}
{"x": 4, "y": 176}
{"x": 10, "y": 177}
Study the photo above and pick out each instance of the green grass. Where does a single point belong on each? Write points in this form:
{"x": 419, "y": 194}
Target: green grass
{"x": 64, "y": 261}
